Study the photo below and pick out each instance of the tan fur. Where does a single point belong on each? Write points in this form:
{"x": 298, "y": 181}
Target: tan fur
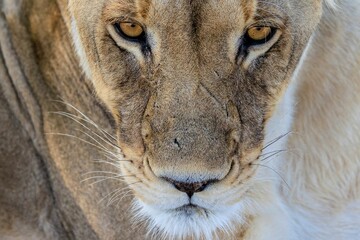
{"x": 187, "y": 110}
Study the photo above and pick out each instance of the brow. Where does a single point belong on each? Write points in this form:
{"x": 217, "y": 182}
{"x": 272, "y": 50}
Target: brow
{"x": 127, "y": 9}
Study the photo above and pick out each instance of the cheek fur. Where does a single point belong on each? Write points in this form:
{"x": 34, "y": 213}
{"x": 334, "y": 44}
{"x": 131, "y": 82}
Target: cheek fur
{"x": 79, "y": 48}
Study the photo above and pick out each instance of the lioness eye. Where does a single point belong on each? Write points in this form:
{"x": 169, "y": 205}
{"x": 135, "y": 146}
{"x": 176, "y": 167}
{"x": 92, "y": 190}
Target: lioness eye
{"x": 259, "y": 35}
{"x": 132, "y": 31}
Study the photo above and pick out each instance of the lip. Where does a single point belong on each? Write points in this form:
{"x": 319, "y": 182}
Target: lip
{"x": 191, "y": 210}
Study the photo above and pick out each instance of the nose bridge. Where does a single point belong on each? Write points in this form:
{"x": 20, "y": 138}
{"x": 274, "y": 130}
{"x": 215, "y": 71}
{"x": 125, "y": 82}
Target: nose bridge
{"x": 181, "y": 78}
{"x": 183, "y": 95}
{"x": 183, "y": 101}
{"x": 188, "y": 128}
{"x": 177, "y": 94}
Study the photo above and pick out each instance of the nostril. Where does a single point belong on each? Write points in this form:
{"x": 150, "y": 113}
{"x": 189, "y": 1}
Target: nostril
{"x": 176, "y": 142}
{"x": 189, "y": 188}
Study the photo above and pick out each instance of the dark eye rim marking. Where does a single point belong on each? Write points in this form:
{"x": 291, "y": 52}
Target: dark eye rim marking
{"x": 248, "y": 41}
{"x": 140, "y": 39}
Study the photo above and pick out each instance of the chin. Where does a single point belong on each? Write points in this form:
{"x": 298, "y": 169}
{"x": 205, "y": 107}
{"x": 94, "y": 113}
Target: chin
{"x": 189, "y": 220}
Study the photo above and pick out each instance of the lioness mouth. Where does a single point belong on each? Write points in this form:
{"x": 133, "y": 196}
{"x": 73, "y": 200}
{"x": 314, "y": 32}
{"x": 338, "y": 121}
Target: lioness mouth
{"x": 191, "y": 210}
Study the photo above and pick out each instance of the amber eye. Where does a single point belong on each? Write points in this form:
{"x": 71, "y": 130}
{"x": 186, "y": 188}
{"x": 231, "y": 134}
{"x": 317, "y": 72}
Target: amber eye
{"x": 130, "y": 30}
{"x": 262, "y": 34}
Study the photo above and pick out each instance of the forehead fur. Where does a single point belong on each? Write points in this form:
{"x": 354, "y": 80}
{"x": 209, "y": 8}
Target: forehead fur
{"x": 211, "y": 14}
{"x": 127, "y": 8}
{"x": 142, "y": 9}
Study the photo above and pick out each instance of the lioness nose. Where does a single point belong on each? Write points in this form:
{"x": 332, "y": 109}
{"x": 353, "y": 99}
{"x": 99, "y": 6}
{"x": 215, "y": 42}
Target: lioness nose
{"x": 189, "y": 188}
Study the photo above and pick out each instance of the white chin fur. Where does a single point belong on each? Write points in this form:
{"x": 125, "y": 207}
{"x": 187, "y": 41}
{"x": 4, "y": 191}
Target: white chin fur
{"x": 197, "y": 224}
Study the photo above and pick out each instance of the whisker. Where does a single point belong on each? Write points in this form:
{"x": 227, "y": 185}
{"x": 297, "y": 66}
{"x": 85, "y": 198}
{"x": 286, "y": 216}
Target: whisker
{"x": 114, "y": 197}
{"x": 119, "y": 178}
{"x": 273, "y": 154}
{"x": 119, "y": 194}
{"x": 101, "y": 172}
{"x": 282, "y": 178}
{"x": 105, "y": 151}
{"x": 78, "y": 138}
{"x": 275, "y": 140}
{"x": 94, "y": 139}
{"x": 114, "y": 157}
{"x": 114, "y": 164}
{"x": 97, "y": 177}
{"x": 275, "y": 151}
{"x": 86, "y": 118}
{"x": 107, "y": 141}
{"x": 76, "y": 119}
{"x": 116, "y": 160}
{"x": 115, "y": 191}
{"x": 125, "y": 195}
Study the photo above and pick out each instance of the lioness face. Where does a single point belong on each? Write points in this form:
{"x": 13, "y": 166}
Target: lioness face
{"x": 193, "y": 87}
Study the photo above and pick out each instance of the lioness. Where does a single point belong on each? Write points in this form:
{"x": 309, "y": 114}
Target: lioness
{"x": 206, "y": 119}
